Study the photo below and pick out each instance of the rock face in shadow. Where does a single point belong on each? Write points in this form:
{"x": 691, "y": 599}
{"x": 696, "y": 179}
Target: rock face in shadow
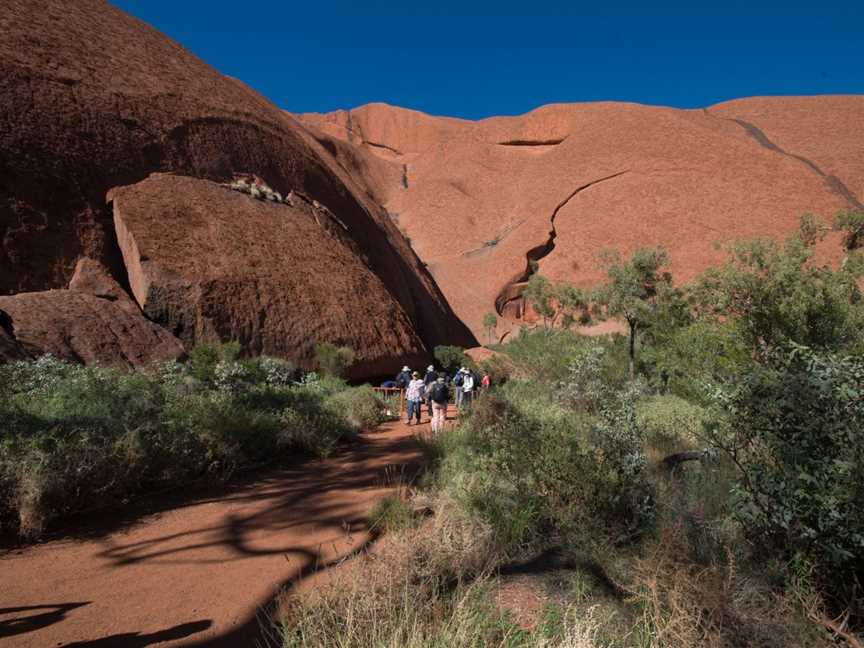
{"x": 94, "y": 99}
{"x": 81, "y": 327}
{"x": 209, "y": 263}
{"x": 9, "y": 347}
{"x": 483, "y": 201}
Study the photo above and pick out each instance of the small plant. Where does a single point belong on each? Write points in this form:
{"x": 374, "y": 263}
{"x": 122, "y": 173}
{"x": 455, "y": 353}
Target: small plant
{"x": 490, "y": 321}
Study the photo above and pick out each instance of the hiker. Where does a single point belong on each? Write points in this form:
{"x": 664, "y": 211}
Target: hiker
{"x": 414, "y": 396}
{"x": 437, "y": 395}
{"x": 403, "y": 378}
{"x": 484, "y": 384}
{"x": 428, "y": 380}
{"x": 457, "y": 386}
{"x": 467, "y": 388}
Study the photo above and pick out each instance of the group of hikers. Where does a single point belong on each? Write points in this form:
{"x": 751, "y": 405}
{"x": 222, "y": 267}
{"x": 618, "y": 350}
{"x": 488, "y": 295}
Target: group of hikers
{"x": 434, "y": 390}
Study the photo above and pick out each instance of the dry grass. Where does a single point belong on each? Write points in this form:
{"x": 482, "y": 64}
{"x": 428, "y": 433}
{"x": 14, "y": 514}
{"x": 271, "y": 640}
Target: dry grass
{"x": 684, "y": 605}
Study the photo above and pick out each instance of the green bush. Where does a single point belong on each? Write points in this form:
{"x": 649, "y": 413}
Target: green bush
{"x": 332, "y": 360}
{"x": 792, "y": 427}
{"x": 361, "y": 408}
{"x": 451, "y": 358}
{"x": 76, "y": 438}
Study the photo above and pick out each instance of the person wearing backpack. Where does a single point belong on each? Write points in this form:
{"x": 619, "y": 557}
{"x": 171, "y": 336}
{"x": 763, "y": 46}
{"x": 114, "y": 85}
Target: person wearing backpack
{"x": 467, "y": 388}
{"x": 403, "y": 377}
{"x": 457, "y": 386}
{"x": 428, "y": 380}
{"x": 438, "y": 395}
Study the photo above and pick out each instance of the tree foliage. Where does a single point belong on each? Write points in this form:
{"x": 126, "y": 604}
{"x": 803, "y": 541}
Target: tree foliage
{"x": 776, "y": 294}
{"x": 634, "y": 289}
{"x": 792, "y": 426}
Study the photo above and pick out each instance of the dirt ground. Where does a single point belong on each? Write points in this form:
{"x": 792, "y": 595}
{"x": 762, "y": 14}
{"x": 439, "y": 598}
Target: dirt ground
{"x": 200, "y": 572}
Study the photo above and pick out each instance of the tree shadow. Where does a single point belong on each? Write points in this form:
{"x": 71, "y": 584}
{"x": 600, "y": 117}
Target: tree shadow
{"x": 55, "y": 612}
{"x": 138, "y": 640}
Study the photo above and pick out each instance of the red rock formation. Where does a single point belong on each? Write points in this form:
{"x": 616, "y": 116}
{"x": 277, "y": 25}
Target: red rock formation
{"x": 481, "y": 200}
{"x": 9, "y": 347}
{"x": 81, "y": 327}
{"x": 92, "y": 278}
{"x": 93, "y": 99}
{"x": 210, "y": 263}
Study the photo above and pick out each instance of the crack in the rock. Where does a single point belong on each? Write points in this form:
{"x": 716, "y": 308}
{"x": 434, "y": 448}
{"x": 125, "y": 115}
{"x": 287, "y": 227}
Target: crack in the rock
{"x": 516, "y": 286}
{"x": 835, "y": 185}
{"x": 383, "y": 146}
{"x": 525, "y": 142}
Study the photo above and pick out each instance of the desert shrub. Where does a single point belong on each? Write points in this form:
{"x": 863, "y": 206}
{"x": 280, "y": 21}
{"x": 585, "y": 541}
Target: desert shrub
{"x": 74, "y": 438}
{"x": 792, "y": 427}
{"x": 690, "y": 360}
{"x": 685, "y": 606}
{"x": 670, "y": 423}
{"x": 391, "y": 514}
{"x": 362, "y": 409}
{"x": 499, "y": 368}
{"x": 451, "y": 358}
{"x": 276, "y": 372}
{"x": 535, "y": 471}
{"x": 232, "y": 376}
{"x": 333, "y": 360}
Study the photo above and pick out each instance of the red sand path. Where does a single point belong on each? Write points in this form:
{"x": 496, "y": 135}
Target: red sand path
{"x": 197, "y": 573}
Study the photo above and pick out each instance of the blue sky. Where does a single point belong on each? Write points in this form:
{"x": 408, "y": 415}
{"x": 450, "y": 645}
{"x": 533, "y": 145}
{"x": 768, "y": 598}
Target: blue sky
{"x": 476, "y": 59}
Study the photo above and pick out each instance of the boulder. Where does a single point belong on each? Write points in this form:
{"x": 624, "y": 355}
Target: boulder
{"x": 81, "y": 327}
{"x": 92, "y": 98}
{"x": 212, "y": 264}
{"x": 92, "y": 278}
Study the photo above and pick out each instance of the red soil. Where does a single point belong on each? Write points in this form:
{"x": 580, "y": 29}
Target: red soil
{"x": 198, "y": 573}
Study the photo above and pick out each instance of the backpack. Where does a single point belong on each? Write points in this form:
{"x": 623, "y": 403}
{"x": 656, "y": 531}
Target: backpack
{"x": 458, "y": 380}
{"x": 439, "y": 393}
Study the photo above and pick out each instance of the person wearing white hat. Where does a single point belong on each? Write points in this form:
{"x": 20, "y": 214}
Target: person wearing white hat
{"x": 403, "y": 377}
{"x": 428, "y": 379}
{"x": 467, "y": 388}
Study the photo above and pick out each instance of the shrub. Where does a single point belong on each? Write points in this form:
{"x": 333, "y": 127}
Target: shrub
{"x": 232, "y": 376}
{"x": 75, "y": 438}
{"x": 793, "y": 429}
{"x": 451, "y": 358}
{"x": 359, "y": 406}
{"x": 333, "y": 360}
{"x": 276, "y": 371}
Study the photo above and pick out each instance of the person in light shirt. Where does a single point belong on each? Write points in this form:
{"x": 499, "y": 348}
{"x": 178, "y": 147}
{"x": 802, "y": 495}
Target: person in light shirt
{"x": 414, "y": 396}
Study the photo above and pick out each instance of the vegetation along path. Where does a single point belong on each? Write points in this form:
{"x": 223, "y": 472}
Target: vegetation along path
{"x": 201, "y": 573}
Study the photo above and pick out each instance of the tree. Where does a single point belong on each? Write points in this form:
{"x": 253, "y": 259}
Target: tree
{"x": 634, "y": 289}
{"x": 557, "y": 303}
{"x": 333, "y": 360}
{"x": 451, "y": 357}
{"x": 489, "y": 323}
{"x": 539, "y": 293}
{"x": 777, "y": 295}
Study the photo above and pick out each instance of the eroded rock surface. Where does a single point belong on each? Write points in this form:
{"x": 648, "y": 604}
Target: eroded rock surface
{"x": 481, "y": 201}
{"x": 81, "y": 327}
{"x": 210, "y": 263}
{"x": 92, "y": 99}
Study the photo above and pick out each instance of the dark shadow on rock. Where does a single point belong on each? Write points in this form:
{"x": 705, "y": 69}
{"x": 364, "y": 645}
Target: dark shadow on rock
{"x": 34, "y": 618}
{"x": 138, "y": 640}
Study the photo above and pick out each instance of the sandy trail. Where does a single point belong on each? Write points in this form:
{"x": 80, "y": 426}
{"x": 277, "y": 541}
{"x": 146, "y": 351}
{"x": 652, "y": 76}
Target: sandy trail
{"x": 198, "y": 573}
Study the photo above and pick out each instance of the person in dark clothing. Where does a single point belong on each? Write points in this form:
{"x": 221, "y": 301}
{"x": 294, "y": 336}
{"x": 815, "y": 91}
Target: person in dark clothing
{"x": 428, "y": 379}
{"x": 403, "y": 378}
